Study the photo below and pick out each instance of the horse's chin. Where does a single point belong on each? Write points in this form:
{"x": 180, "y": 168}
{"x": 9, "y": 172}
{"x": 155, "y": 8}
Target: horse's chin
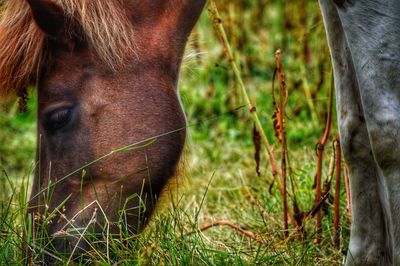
{"x": 73, "y": 243}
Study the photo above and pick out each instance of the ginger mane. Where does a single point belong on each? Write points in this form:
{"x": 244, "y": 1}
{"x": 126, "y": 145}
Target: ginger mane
{"x": 23, "y": 46}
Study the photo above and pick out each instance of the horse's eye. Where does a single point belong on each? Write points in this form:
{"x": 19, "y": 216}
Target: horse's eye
{"x": 59, "y": 118}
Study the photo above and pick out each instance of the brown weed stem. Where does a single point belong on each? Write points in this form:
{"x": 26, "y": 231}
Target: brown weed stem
{"x": 231, "y": 225}
{"x": 320, "y": 154}
{"x": 252, "y": 109}
{"x": 281, "y": 106}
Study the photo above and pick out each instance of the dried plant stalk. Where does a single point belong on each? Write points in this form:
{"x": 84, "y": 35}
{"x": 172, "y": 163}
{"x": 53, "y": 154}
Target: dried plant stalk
{"x": 252, "y": 109}
{"x": 231, "y": 225}
{"x": 320, "y": 154}
{"x": 279, "y": 123}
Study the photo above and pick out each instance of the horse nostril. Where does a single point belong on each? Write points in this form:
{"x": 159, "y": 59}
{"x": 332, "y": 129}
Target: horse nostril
{"x": 58, "y": 249}
{"x": 62, "y": 247}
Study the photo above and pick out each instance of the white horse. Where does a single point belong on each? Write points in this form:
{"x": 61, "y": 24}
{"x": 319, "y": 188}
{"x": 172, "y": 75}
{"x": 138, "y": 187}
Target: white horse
{"x": 364, "y": 40}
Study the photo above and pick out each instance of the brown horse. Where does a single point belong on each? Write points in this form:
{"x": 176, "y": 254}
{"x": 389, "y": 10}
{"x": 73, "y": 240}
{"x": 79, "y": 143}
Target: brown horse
{"x": 106, "y": 74}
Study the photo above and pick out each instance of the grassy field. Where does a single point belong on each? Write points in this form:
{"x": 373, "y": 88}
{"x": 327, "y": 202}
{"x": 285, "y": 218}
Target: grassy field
{"x": 220, "y": 181}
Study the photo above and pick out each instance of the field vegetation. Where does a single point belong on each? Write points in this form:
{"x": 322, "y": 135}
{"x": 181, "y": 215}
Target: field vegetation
{"x": 220, "y": 211}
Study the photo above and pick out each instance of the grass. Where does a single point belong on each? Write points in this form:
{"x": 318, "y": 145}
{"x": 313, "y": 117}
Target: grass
{"x": 221, "y": 183}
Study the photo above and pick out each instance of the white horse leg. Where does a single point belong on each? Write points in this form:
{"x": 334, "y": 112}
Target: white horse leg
{"x": 368, "y": 242}
{"x": 372, "y": 30}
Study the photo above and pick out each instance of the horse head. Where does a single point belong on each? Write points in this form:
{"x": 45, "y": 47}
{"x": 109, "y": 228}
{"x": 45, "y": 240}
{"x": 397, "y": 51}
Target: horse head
{"x": 110, "y": 125}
